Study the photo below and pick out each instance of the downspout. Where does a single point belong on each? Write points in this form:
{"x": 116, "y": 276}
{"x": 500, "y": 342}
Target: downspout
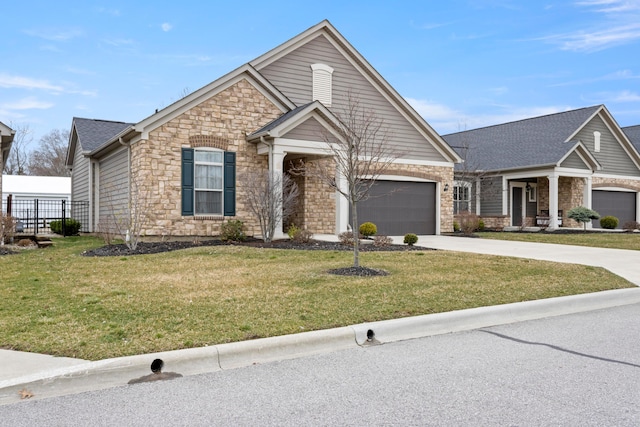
{"x": 128, "y": 145}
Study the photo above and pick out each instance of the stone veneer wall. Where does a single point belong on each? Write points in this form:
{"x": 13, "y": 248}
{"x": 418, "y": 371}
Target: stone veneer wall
{"x": 221, "y": 121}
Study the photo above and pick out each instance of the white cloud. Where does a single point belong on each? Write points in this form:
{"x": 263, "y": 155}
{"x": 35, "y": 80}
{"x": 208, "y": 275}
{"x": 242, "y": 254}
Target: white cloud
{"x": 55, "y": 34}
{"x": 28, "y": 103}
{"x": 598, "y": 40}
{"x": 9, "y": 81}
{"x": 166, "y": 27}
{"x": 618, "y": 23}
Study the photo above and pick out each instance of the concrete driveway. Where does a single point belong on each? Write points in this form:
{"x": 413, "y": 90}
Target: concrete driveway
{"x": 624, "y": 263}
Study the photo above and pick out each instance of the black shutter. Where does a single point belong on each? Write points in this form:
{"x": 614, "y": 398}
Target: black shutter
{"x": 187, "y": 182}
{"x": 229, "y": 183}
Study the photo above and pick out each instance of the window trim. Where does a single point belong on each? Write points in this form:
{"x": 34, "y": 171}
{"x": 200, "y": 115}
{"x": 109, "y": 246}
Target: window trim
{"x": 196, "y": 189}
{"x": 467, "y": 186}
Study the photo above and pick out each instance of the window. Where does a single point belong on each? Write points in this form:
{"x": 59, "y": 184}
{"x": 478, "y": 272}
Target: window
{"x": 596, "y": 141}
{"x": 208, "y": 182}
{"x": 461, "y": 197}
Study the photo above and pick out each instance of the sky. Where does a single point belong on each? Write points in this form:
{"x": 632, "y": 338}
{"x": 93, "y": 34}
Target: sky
{"x": 460, "y": 64}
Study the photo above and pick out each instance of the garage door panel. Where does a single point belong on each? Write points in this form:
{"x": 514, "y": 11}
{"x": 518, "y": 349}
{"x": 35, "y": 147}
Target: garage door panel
{"x": 398, "y": 208}
{"x": 620, "y": 204}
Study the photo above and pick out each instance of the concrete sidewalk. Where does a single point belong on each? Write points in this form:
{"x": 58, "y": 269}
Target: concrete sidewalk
{"x": 47, "y": 376}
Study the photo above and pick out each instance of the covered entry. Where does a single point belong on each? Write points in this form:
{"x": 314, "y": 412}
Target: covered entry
{"x": 399, "y": 207}
{"x": 621, "y": 204}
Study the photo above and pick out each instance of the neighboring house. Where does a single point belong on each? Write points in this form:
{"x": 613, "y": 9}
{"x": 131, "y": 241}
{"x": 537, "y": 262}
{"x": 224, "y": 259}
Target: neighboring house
{"x": 534, "y": 171}
{"x": 185, "y": 165}
{"x": 6, "y": 139}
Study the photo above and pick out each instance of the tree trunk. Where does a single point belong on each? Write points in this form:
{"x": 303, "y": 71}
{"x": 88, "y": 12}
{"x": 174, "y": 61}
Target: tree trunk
{"x": 356, "y": 234}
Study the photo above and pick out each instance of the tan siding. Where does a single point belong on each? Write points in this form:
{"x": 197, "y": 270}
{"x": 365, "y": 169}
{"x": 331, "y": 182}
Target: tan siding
{"x": 293, "y": 76}
{"x": 80, "y": 177}
{"x": 310, "y": 130}
{"x": 114, "y": 186}
{"x": 613, "y": 158}
{"x": 573, "y": 161}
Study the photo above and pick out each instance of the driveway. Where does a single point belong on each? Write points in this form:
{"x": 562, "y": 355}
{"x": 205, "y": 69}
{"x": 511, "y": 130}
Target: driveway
{"x": 623, "y": 263}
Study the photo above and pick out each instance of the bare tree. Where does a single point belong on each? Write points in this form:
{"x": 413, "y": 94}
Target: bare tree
{"x": 272, "y": 199}
{"x": 361, "y": 152}
{"x": 18, "y": 161}
{"x": 126, "y": 212}
{"x": 49, "y": 158}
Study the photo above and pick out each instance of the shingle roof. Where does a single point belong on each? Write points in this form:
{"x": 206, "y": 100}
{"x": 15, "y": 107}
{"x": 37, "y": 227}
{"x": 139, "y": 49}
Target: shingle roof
{"x": 286, "y": 116}
{"x": 536, "y": 141}
{"x": 633, "y": 133}
{"x": 92, "y": 133}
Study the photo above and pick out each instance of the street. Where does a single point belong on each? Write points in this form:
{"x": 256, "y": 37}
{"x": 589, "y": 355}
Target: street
{"x": 581, "y": 369}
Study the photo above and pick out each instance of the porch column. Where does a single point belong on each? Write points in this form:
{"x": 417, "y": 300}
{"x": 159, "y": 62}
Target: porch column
{"x": 587, "y": 197}
{"x": 553, "y": 202}
{"x": 276, "y": 160}
{"x": 342, "y": 204}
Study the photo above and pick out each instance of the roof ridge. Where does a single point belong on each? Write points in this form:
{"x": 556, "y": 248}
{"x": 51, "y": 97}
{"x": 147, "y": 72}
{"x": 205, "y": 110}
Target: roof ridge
{"x": 102, "y": 120}
{"x": 525, "y": 119}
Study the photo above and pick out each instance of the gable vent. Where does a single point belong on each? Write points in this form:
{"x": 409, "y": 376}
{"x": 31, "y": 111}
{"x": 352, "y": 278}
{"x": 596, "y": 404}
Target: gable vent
{"x": 322, "y": 75}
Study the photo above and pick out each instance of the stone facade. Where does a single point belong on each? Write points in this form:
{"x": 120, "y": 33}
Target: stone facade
{"x": 222, "y": 121}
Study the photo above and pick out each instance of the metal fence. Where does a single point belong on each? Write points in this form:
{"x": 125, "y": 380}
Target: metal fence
{"x": 35, "y": 216}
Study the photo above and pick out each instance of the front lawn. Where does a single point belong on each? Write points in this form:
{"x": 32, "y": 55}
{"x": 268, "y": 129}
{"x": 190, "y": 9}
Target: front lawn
{"x": 58, "y": 302}
{"x": 594, "y": 239}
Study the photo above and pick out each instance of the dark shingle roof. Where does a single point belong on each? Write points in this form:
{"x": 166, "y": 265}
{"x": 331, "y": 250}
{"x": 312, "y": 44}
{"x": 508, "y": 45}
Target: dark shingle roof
{"x": 93, "y": 133}
{"x": 531, "y": 142}
{"x": 286, "y": 116}
{"x": 633, "y": 133}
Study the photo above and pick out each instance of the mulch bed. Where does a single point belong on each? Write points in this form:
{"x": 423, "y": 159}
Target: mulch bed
{"x": 158, "y": 247}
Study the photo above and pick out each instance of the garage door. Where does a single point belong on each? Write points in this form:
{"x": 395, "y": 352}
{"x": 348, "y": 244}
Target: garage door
{"x": 620, "y": 204}
{"x": 397, "y": 208}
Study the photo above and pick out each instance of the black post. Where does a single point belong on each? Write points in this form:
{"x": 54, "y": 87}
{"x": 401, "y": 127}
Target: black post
{"x": 35, "y": 219}
{"x": 64, "y": 218}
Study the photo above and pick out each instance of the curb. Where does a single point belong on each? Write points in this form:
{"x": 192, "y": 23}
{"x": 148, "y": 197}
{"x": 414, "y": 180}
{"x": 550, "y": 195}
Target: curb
{"x": 118, "y": 371}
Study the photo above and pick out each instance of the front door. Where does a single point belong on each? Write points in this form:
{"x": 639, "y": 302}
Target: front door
{"x": 516, "y": 206}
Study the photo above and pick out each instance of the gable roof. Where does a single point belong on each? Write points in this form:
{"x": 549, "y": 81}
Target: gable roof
{"x": 534, "y": 142}
{"x": 93, "y": 132}
{"x": 371, "y": 74}
{"x": 633, "y": 133}
{"x": 251, "y": 72}
{"x": 90, "y": 134}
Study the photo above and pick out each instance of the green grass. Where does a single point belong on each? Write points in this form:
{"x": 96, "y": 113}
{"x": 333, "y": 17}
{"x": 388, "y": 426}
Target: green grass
{"x": 594, "y": 239}
{"x": 58, "y": 302}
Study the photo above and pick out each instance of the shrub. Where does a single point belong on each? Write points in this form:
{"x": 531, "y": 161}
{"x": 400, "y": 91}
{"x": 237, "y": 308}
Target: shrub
{"x": 233, "y": 230}
{"x": 410, "y": 239}
{"x": 302, "y": 236}
{"x": 456, "y": 227}
{"x": 582, "y": 214}
{"x": 481, "y": 226}
{"x": 382, "y": 241}
{"x": 292, "y": 230}
{"x": 346, "y": 238}
{"x": 469, "y": 222}
{"x": 631, "y": 225}
{"x": 71, "y": 227}
{"x": 7, "y": 228}
{"x": 609, "y": 222}
{"x": 368, "y": 229}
